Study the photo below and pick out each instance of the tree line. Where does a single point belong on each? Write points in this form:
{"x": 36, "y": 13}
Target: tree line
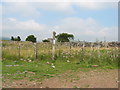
{"x": 62, "y": 37}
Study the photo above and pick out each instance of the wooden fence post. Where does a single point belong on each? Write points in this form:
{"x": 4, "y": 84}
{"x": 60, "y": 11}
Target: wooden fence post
{"x": 19, "y": 50}
{"x": 70, "y": 45}
{"x": 70, "y": 48}
{"x": 59, "y": 48}
{"x": 98, "y": 51}
{"x": 91, "y": 49}
{"x": 35, "y": 50}
{"x": 83, "y": 50}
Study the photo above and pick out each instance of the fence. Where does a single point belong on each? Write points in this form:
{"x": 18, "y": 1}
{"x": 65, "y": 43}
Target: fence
{"x": 63, "y": 51}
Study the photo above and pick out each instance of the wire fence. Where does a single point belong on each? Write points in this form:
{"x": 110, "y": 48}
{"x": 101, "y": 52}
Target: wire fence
{"x": 63, "y": 51}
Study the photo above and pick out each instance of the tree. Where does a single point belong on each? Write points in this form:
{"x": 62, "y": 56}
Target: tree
{"x": 18, "y": 38}
{"x": 64, "y": 37}
{"x": 31, "y": 38}
{"x": 12, "y": 38}
{"x": 15, "y": 39}
{"x": 45, "y": 40}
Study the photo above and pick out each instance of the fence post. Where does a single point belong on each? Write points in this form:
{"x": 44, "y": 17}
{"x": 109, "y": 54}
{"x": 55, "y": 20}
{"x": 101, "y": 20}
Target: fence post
{"x": 70, "y": 48}
{"x": 70, "y": 45}
{"x": 35, "y": 50}
{"x": 19, "y": 50}
{"x": 83, "y": 50}
{"x": 53, "y": 48}
{"x": 59, "y": 48}
{"x": 91, "y": 49}
{"x": 98, "y": 51}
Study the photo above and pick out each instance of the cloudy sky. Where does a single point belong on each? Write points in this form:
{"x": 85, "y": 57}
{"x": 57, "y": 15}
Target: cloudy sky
{"x": 86, "y": 20}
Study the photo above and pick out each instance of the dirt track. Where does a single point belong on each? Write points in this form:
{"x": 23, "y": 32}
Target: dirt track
{"x": 70, "y": 79}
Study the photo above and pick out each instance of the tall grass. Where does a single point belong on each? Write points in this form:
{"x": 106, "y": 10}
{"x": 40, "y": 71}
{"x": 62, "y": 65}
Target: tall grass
{"x": 99, "y": 56}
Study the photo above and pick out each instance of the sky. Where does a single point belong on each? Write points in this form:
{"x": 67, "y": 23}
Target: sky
{"x": 85, "y": 20}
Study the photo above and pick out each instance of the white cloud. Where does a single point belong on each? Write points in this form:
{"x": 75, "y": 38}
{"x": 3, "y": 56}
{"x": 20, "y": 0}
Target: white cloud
{"x": 12, "y": 26}
{"x": 12, "y": 19}
{"x": 21, "y": 9}
{"x": 83, "y": 29}
{"x": 96, "y": 5}
{"x": 31, "y": 10}
{"x": 87, "y": 29}
{"x": 59, "y": 7}
{"x": 90, "y": 5}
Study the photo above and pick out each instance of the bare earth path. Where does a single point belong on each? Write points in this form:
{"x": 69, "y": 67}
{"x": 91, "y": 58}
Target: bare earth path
{"x": 90, "y": 79}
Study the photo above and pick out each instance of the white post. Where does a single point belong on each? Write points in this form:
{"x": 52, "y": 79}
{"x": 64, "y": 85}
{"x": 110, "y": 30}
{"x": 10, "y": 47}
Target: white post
{"x": 53, "y": 49}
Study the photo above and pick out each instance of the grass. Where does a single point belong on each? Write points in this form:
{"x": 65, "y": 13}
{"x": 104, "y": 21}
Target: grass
{"x": 40, "y": 70}
{"x": 26, "y": 66}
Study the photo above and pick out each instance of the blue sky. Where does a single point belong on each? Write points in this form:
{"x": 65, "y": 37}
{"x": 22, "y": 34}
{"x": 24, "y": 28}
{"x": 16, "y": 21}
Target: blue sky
{"x": 87, "y": 21}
